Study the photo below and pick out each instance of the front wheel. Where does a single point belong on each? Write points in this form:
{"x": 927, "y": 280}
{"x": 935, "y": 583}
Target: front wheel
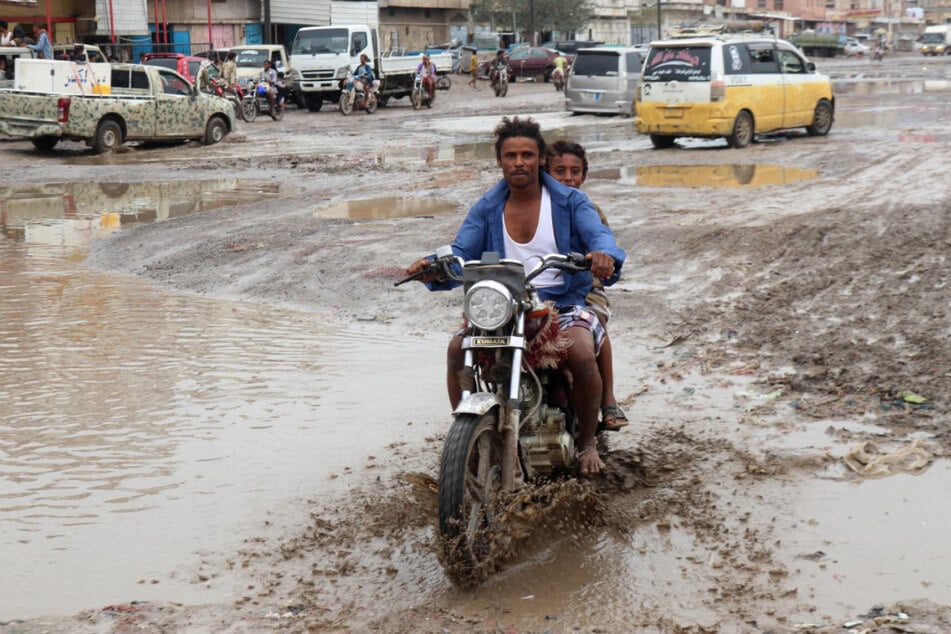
{"x": 417, "y": 98}
{"x": 249, "y": 109}
{"x": 504, "y": 89}
{"x": 346, "y": 104}
{"x": 215, "y": 131}
{"x": 470, "y": 477}
{"x": 742, "y": 134}
{"x": 430, "y": 100}
{"x": 821, "y": 119}
{"x": 313, "y": 102}
{"x": 108, "y": 136}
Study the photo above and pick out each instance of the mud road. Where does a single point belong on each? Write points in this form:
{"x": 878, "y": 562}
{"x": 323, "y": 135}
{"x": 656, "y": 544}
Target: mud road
{"x": 781, "y": 339}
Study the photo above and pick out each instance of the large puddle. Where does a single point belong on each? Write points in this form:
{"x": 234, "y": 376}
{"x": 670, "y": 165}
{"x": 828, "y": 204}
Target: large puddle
{"x": 745, "y": 175}
{"x": 73, "y": 213}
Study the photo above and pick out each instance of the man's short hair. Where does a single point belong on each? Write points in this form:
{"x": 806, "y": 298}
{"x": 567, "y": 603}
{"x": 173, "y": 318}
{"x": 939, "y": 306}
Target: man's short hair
{"x": 563, "y": 146}
{"x": 515, "y": 127}
{"x": 4, "y": 25}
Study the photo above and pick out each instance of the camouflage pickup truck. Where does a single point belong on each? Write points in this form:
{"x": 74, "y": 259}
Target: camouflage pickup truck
{"x": 133, "y": 103}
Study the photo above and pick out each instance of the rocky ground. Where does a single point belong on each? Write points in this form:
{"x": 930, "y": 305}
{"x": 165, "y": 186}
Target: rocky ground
{"x": 820, "y": 297}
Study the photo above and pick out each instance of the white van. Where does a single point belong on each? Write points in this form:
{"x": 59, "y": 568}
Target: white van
{"x": 604, "y": 80}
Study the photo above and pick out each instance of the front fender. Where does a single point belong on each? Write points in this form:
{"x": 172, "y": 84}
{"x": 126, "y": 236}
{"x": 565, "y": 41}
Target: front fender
{"x": 478, "y": 403}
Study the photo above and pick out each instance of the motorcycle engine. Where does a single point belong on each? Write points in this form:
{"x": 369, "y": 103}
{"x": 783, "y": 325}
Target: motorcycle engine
{"x": 549, "y": 447}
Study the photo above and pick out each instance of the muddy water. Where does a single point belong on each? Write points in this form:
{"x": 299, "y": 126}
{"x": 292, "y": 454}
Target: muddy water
{"x": 139, "y": 428}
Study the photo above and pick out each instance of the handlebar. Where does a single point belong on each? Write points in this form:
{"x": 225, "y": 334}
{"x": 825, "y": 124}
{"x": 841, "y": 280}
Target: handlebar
{"x": 445, "y": 259}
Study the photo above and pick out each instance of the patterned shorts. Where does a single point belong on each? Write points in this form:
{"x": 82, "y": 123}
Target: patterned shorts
{"x": 582, "y": 317}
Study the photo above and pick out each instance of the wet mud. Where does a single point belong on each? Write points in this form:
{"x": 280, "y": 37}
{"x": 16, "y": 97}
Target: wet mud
{"x": 780, "y": 346}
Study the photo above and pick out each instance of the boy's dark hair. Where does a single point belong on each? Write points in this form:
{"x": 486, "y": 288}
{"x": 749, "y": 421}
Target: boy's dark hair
{"x": 510, "y": 128}
{"x": 4, "y": 25}
{"x": 562, "y": 146}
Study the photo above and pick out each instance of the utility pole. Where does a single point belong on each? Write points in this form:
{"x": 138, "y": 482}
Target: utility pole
{"x": 531, "y": 22}
{"x": 659, "y": 36}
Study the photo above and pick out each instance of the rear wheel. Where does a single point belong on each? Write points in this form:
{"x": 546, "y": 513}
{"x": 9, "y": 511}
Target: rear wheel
{"x": 215, "y": 131}
{"x": 45, "y": 143}
{"x": 821, "y": 120}
{"x": 470, "y": 477}
{"x": 108, "y": 136}
{"x": 371, "y": 105}
{"x": 662, "y": 142}
{"x": 742, "y": 134}
{"x": 276, "y": 112}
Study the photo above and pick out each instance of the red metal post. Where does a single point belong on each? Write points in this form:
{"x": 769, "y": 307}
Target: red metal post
{"x": 211, "y": 43}
{"x": 158, "y": 31}
{"x": 49, "y": 22}
{"x": 112, "y": 25}
{"x": 164, "y": 23}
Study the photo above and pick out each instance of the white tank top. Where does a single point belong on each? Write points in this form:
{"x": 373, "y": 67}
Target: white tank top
{"x": 542, "y": 243}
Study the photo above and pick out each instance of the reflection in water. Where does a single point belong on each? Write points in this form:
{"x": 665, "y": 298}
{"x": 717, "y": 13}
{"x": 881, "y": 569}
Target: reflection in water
{"x": 74, "y": 213}
{"x": 890, "y": 87}
{"x": 706, "y": 175}
{"x": 388, "y": 207}
{"x": 137, "y": 427}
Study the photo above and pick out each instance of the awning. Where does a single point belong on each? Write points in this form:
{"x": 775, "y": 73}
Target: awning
{"x": 20, "y": 3}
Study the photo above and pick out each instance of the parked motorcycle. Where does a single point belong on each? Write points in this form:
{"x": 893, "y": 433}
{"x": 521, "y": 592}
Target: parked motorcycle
{"x": 420, "y": 95}
{"x": 360, "y": 99}
{"x": 501, "y": 83}
{"x": 234, "y": 96}
{"x": 255, "y": 103}
{"x": 514, "y": 424}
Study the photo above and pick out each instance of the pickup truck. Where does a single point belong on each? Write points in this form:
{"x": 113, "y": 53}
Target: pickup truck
{"x": 322, "y": 55}
{"x": 105, "y": 105}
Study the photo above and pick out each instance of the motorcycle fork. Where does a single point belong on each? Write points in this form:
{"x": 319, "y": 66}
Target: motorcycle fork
{"x": 511, "y": 415}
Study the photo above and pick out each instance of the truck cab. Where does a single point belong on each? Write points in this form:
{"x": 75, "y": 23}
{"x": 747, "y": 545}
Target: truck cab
{"x": 322, "y": 56}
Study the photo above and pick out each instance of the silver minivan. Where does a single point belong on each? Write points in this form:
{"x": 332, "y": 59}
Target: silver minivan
{"x": 604, "y": 80}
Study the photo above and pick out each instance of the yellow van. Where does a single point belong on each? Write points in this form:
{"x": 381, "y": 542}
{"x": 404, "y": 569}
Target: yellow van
{"x": 730, "y": 86}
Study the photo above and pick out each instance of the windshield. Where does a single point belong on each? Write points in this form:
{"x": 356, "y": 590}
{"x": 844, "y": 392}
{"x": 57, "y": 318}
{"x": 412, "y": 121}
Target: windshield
{"x": 322, "y": 41}
{"x": 678, "y": 63}
{"x": 596, "y": 64}
{"x": 250, "y": 58}
{"x": 165, "y": 62}
{"x": 932, "y": 38}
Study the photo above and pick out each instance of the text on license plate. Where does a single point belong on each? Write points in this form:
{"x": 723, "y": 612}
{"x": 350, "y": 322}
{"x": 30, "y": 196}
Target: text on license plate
{"x": 592, "y": 96}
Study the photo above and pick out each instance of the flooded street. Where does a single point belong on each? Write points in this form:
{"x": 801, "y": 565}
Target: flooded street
{"x": 217, "y": 413}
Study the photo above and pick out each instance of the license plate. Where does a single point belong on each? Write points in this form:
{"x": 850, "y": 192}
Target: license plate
{"x": 674, "y": 113}
{"x": 592, "y": 96}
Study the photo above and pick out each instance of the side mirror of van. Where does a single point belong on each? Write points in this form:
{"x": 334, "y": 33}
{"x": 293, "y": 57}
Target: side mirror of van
{"x": 811, "y": 67}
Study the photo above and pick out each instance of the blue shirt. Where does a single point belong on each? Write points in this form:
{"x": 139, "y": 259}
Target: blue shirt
{"x": 364, "y": 73}
{"x": 577, "y": 228}
{"x": 43, "y": 46}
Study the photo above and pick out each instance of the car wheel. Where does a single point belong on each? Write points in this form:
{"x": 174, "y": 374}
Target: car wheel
{"x": 215, "y": 131}
{"x": 821, "y": 119}
{"x": 662, "y": 142}
{"x": 45, "y": 143}
{"x": 742, "y": 134}
{"x": 108, "y": 136}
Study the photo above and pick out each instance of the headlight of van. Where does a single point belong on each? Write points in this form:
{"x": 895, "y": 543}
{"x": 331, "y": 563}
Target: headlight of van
{"x": 489, "y": 305}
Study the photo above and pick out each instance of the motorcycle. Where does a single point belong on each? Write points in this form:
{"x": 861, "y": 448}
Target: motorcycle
{"x": 353, "y": 98}
{"x": 420, "y": 95}
{"x": 514, "y": 424}
{"x": 558, "y": 78}
{"x": 501, "y": 83}
{"x": 234, "y": 96}
{"x": 255, "y": 102}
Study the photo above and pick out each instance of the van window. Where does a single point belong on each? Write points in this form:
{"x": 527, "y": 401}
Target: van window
{"x": 678, "y": 63}
{"x": 136, "y": 79}
{"x": 358, "y": 43}
{"x": 599, "y": 64}
{"x": 763, "y": 58}
{"x": 791, "y": 62}
{"x": 633, "y": 61}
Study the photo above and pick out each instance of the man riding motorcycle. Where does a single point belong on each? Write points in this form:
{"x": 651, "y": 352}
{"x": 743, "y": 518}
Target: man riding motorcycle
{"x": 560, "y": 67}
{"x": 266, "y": 82}
{"x": 427, "y": 71}
{"x": 363, "y": 78}
{"x": 497, "y": 64}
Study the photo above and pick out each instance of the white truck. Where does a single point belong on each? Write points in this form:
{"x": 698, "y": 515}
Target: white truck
{"x": 322, "y": 55}
{"x": 936, "y": 40}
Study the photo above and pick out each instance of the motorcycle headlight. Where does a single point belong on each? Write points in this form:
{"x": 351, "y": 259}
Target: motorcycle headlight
{"x": 488, "y": 305}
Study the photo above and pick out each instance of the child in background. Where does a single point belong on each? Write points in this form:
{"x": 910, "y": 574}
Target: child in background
{"x": 568, "y": 164}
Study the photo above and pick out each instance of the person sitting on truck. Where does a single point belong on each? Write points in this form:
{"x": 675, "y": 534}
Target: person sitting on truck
{"x": 229, "y": 74}
{"x": 43, "y": 48}
{"x": 6, "y": 37}
{"x": 266, "y": 81}
{"x": 427, "y": 70}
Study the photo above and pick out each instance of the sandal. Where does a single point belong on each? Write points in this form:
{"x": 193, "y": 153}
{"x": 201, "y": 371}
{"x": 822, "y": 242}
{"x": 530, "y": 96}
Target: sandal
{"x": 613, "y": 417}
